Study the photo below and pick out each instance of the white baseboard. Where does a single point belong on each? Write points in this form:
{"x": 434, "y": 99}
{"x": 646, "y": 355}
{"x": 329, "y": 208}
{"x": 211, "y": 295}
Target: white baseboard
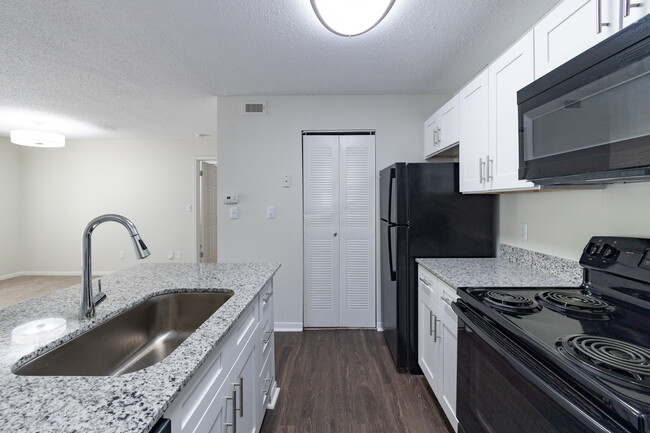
{"x": 288, "y": 327}
{"x": 380, "y": 326}
{"x": 7, "y": 276}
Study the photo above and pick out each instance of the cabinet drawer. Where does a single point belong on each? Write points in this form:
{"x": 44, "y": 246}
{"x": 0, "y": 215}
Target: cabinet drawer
{"x": 266, "y": 299}
{"x": 245, "y": 326}
{"x": 267, "y": 378}
{"x": 266, "y": 337}
{"x": 447, "y": 296}
{"x": 428, "y": 282}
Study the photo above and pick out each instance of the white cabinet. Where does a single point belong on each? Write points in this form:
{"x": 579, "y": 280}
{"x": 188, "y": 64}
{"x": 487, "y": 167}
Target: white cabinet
{"x": 442, "y": 129}
{"x": 236, "y": 384}
{"x": 509, "y": 73}
{"x": 431, "y": 126}
{"x": 437, "y": 340}
{"x": 473, "y": 101}
{"x": 632, "y": 10}
{"x": 571, "y": 28}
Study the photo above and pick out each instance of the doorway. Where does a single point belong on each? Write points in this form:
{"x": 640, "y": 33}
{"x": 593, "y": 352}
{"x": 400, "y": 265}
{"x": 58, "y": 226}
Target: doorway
{"x": 206, "y": 211}
{"x": 339, "y": 229}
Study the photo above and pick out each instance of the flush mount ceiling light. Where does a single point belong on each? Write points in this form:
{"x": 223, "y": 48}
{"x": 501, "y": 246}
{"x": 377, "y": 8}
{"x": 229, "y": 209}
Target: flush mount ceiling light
{"x": 351, "y": 17}
{"x": 26, "y": 137}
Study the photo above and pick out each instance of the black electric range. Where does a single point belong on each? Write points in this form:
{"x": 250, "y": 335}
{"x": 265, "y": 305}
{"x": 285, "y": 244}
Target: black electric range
{"x": 574, "y": 359}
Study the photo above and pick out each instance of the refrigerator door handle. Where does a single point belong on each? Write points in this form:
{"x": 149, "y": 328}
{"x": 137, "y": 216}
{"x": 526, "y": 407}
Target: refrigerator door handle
{"x": 390, "y": 201}
{"x": 393, "y": 274}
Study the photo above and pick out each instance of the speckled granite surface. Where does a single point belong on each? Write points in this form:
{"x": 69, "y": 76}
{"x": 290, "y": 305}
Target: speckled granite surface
{"x": 569, "y": 270}
{"x": 132, "y": 402}
{"x": 508, "y": 270}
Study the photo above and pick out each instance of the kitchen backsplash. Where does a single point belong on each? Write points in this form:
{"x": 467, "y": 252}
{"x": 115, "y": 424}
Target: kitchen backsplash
{"x": 566, "y": 269}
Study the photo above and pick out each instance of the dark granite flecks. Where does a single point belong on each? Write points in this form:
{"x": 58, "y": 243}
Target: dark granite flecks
{"x": 135, "y": 401}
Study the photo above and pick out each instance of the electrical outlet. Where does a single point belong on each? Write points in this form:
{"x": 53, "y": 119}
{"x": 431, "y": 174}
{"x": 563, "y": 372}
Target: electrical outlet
{"x": 270, "y": 212}
{"x": 286, "y": 181}
{"x": 234, "y": 212}
{"x": 170, "y": 255}
{"x": 523, "y": 232}
{"x": 177, "y": 255}
{"x": 122, "y": 255}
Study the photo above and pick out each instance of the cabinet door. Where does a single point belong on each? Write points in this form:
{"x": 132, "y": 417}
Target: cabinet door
{"x": 449, "y": 133}
{"x": 509, "y": 73}
{"x": 426, "y": 340}
{"x": 632, "y": 10}
{"x": 245, "y": 378}
{"x": 448, "y": 366}
{"x": 430, "y": 135}
{"x": 473, "y": 100}
{"x": 571, "y": 28}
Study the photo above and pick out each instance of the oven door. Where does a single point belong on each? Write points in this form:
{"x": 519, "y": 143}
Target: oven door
{"x": 503, "y": 389}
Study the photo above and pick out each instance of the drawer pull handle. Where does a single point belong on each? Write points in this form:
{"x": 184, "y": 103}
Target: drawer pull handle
{"x": 233, "y": 424}
{"x": 628, "y": 5}
{"x": 446, "y": 300}
{"x": 431, "y": 316}
{"x": 268, "y": 388}
{"x": 268, "y": 296}
{"x": 425, "y": 282}
{"x": 268, "y": 336}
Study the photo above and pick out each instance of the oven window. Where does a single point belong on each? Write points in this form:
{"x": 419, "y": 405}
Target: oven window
{"x": 609, "y": 110}
{"x": 495, "y": 398}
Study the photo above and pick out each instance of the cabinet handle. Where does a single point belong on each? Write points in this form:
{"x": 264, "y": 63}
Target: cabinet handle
{"x": 241, "y": 396}
{"x": 628, "y": 5}
{"x": 233, "y": 424}
{"x": 439, "y": 136}
{"x": 268, "y": 336}
{"x": 435, "y": 330}
{"x": 431, "y": 316}
{"x": 425, "y": 282}
{"x": 481, "y": 164}
{"x": 490, "y": 163}
{"x": 268, "y": 295}
{"x": 446, "y": 300}
{"x": 270, "y": 381}
{"x": 599, "y": 16}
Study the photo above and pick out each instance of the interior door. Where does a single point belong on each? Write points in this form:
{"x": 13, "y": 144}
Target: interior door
{"x": 339, "y": 230}
{"x": 208, "y": 205}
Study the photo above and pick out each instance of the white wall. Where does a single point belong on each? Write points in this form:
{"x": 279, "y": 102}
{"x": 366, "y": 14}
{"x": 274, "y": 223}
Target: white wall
{"x": 560, "y": 223}
{"x": 148, "y": 181}
{"x": 255, "y": 151}
{"x": 10, "y": 207}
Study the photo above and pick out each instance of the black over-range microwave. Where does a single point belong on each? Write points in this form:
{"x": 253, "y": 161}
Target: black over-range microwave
{"x": 588, "y": 121}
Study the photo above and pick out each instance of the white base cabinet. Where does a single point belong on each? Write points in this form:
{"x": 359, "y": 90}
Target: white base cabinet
{"x": 438, "y": 340}
{"x": 231, "y": 391}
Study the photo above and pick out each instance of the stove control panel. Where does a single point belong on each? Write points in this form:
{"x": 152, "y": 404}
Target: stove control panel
{"x": 623, "y": 256}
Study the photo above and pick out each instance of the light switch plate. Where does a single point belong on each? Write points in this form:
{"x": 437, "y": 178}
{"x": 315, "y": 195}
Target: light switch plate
{"x": 234, "y": 212}
{"x": 270, "y": 212}
{"x": 523, "y": 232}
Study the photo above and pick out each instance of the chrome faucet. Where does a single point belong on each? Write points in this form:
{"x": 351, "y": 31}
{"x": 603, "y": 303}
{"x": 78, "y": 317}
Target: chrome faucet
{"x": 88, "y": 300}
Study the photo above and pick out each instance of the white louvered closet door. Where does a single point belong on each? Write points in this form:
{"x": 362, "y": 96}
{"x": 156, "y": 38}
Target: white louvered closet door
{"x": 321, "y": 226}
{"x": 339, "y": 230}
{"x": 357, "y": 230}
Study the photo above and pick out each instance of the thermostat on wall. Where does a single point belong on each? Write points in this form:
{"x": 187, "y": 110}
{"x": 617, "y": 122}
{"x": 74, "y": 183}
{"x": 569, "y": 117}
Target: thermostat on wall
{"x": 231, "y": 198}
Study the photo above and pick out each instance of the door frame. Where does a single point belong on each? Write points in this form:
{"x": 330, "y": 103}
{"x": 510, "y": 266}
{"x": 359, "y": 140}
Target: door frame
{"x": 196, "y": 205}
{"x": 374, "y": 213}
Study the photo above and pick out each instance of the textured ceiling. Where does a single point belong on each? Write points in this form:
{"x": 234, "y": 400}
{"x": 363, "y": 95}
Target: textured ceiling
{"x": 153, "y": 68}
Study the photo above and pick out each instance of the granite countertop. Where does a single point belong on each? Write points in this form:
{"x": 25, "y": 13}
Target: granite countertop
{"x": 495, "y": 272}
{"x": 132, "y": 402}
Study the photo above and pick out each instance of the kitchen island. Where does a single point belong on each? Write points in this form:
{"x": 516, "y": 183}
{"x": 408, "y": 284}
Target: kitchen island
{"x": 135, "y": 401}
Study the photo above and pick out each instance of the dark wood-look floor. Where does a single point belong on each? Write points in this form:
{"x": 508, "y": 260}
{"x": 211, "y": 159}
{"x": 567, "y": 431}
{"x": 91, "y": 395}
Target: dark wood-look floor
{"x": 344, "y": 381}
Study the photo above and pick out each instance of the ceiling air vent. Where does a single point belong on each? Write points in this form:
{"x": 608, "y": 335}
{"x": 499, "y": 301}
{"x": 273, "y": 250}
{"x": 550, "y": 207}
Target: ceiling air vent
{"x": 255, "y": 108}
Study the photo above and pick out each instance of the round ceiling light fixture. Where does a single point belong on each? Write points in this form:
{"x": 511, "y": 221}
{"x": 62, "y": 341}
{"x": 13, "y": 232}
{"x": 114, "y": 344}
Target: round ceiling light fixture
{"x": 26, "y": 137}
{"x": 351, "y": 17}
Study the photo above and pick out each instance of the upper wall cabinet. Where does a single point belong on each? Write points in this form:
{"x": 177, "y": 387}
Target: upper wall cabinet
{"x": 632, "y": 10}
{"x": 441, "y": 130}
{"x": 473, "y": 100}
{"x": 571, "y": 28}
{"x": 509, "y": 73}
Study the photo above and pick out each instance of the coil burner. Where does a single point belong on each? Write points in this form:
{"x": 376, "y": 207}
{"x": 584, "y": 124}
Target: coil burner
{"x": 614, "y": 358}
{"x": 510, "y": 302}
{"x": 575, "y": 304}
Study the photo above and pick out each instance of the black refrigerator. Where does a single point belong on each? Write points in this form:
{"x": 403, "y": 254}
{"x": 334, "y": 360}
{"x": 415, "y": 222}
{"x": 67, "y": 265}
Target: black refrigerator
{"x": 423, "y": 215}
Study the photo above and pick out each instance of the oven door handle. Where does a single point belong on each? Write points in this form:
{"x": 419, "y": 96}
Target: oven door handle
{"x": 541, "y": 377}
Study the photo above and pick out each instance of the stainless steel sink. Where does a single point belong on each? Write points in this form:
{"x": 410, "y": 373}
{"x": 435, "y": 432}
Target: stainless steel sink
{"x": 131, "y": 341}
